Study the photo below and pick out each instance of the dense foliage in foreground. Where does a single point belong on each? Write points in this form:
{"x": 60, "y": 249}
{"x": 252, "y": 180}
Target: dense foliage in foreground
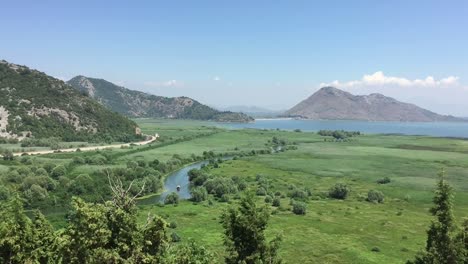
{"x": 109, "y": 233}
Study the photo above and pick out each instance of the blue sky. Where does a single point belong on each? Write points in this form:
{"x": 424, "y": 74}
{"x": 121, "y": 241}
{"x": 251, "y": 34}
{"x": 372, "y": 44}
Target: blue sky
{"x": 265, "y": 53}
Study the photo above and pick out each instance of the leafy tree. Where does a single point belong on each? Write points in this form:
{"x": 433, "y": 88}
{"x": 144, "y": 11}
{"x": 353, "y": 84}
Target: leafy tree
{"x": 58, "y": 171}
{"x": 339, "y": 191}
{"x": 155, "y": 237}
{"x": 199, "y": 194}
{"x": 244, "y": 237}
{"x": 8, "y": 155}
{"x": 374, "y": 196}
{"x": 189, "y": 253}
{"x": 15, "y": 233}
{"x": 299, "y": 208}
{"x": 172, "y": 198}
{"x": 86, "y": 235}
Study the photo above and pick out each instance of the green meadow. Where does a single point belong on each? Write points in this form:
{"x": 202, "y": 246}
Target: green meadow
{"x": 332, "y": 231}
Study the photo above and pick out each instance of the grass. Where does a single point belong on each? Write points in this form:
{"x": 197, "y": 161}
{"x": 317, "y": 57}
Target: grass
{"x": 332, "y": 231}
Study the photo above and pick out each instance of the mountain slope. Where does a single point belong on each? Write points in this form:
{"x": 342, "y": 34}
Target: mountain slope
{"x": 35, "y": 104}
{"x": 138, "y": 104}
{"x": 335, "y": 104}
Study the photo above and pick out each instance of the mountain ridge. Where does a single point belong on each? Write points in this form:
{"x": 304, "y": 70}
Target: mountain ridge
{"x": 34, "y": 104}
{"x": 140, "y": 104}
{"x": 330, "y": 103}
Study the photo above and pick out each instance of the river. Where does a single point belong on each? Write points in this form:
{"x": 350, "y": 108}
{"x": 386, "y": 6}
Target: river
{"x": 179, "y": 177}
{"x": 436, "y": 129}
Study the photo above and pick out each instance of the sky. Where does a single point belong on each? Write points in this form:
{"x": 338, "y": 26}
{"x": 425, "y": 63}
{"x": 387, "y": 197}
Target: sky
{"x": 265, "y": 53}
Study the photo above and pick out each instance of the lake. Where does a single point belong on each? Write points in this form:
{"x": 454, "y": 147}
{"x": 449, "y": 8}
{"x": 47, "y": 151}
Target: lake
{"x": 437, "y": 129}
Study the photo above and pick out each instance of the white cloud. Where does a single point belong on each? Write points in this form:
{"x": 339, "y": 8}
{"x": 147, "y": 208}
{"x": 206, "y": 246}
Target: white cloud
{"x": 62, "y": 78}
{"x": 216, "y": 78}
{"x": 379, "y": 79}
{"x": 169, "y": 83}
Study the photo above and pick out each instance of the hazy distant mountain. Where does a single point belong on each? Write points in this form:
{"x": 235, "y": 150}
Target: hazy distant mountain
{"x": 255, "y": 111}
{"x": 332, "y": 103}
{"x": 246, "y": 109}
{"x": 139, "y": 104}
{"x": 33, "y": 104}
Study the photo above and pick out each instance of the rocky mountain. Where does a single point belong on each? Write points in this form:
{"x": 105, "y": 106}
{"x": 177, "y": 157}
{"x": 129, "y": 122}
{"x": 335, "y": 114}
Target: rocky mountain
{"x": 33, "y": 104}
{"x": 139, "y": 104}
{"x": 335, "y": 104}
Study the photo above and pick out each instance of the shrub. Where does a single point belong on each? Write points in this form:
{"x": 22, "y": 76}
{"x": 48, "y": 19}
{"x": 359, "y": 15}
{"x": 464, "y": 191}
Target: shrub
{"x": 175, "y": 237}
{"x": 268, "y": 199}
{"x": 58, "y": 171}
{"x": 78, "y": 160}
{"x": 199, "y": 194}
{"x": 276, "y": 202}
{"x": 220, "y": 186}
{"x": 384, "y": 180}
{"x": 8, "y": 155}
{"x": 173, "y": 225}
{"x": 172, "y": 198}
{"x": 224, "y": 198}
{"x": 299, "y": 208}
{"x": 375, "y": 249}
{"x": 299, "y": 194}
{"x": 374, "y": 196}
{"x": 261, "y": 191}
{"x": 339, "y": 191}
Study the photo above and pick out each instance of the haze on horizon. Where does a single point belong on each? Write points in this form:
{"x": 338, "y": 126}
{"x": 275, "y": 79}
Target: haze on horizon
{"x": 261, "y": 53}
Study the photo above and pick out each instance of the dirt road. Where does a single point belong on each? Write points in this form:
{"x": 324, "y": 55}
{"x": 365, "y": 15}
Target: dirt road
{"x": 41, "y": 152}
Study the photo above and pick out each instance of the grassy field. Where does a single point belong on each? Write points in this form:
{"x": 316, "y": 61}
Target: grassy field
{"x": 332, "y": 231}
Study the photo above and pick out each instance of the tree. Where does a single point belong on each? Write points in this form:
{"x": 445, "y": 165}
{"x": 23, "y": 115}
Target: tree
{"x": 15, "y": 233}
{"x": 155, "y": 238}
{"x": 375, "y": 196}
{"x": 339, "y": 191}
{"x": 172, "y": 198}
{"x": 299, "y": 208}
{"x": 8, "y": 155}
{"x": 440, "y": 245}
{"x": 244, "y": 237}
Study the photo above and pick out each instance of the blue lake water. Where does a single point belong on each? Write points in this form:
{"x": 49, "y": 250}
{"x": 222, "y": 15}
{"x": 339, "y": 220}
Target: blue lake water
{"x": 437, "y": 129}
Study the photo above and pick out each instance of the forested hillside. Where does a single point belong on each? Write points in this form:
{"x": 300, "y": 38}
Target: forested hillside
{"x": 33, "y": 104}
{"x": 138, "y": 104}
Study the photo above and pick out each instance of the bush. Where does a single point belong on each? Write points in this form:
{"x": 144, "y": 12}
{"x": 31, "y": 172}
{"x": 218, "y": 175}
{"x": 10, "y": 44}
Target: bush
{"x": 199, "y": 194}
{"x": 299, "y": 194}
{"x": 78, "y": 160}
{"x": 172, "y": 198}
{"x": 173, "y": 225}
{"x": 299, "y": 208}
{"x": 175, "y": 237}
{"x": 375, "y": 249}
{"x": 58, "y": 171}
{"x": 339, "y": 191}
{"x": 8, "y": 155}
{"x": 224, "y": 198}
{"x": 268, "y": 199}
{"x": 374, "y": 196}
{"x": 220, "y": 186}
{"x": 261, "y": 191}
{"x": 276, "y": 202}
{"x": 384, "y": 180}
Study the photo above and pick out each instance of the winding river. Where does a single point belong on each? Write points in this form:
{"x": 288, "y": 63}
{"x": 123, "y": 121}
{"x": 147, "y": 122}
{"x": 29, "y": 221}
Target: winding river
{"x": 179, "y": 177}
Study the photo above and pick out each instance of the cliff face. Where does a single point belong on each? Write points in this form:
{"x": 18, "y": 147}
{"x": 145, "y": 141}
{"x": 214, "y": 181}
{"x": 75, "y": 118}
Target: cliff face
{"x": 332, "y": 103}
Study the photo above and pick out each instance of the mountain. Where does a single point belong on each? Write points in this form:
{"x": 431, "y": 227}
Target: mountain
{"x": 332, "y": 103}
{"x": 139, "y": 104}
{"x": 33, "y": 104}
